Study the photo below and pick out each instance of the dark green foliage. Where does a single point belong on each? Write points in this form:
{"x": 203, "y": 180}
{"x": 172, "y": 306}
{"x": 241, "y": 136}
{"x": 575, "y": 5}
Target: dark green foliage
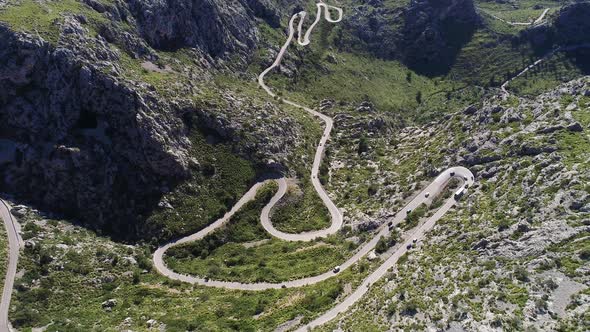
{"x": 410, "y": 308}
{"x": 363, "y": 145}
{"x": 414, "y": 217}
{"x": 219, "y": 182}
{"x": 521, "y": 274}
{"x": 386, "y": 242}
{"x": 242, "y": 250}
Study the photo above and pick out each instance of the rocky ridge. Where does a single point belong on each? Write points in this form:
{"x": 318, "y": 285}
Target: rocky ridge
{"x": 215, "y": 27}
{"x": 425, "y": 35}
{"x": 525, "y": 222}
{"x": 87, "y": 139}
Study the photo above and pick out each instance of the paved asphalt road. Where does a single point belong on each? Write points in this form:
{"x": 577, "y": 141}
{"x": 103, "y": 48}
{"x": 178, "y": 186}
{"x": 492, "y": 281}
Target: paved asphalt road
{"x": 14, "y": 244}
{"x": 418, "y": 234}
{"x": 434, "y": 189}
{"x": 335, "y": 213}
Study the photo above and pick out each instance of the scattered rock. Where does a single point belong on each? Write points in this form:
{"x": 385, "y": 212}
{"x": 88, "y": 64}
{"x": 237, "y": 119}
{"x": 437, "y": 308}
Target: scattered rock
{"x": 18, "y": 211}
{"x": 365, "y": 106}
{"x": 510, "y": 115}
{"x": 575, "y": 127}
{"x": 151, "y": 323}
{"x": 523, "y": 227}
{"x": 470, "y": 110}
{"x": 109, "y": 304}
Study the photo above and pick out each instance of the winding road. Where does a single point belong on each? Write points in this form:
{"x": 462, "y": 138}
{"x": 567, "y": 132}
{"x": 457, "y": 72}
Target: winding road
{"x": 426, "y": 196}
{"x": 335, "y": 213}
{"x": 433, "y": 189}
{"x": 14, "y": 244}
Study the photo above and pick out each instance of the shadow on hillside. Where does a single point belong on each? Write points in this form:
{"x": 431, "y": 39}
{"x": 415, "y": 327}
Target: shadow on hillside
{"x": 581, "y": 59}
{"x": 435, "y": 52}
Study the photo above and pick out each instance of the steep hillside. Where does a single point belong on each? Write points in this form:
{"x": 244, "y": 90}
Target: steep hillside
{"x": 426, "y": 35}
{"x": 125, "y": 124}
{"x": 513, "y": 255}
{"x": 99, "y": 120}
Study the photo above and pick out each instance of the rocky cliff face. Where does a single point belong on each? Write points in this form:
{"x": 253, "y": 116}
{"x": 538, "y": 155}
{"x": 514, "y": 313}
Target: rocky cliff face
{"x": 434, "y": 31}
{"x": 426, "y": 35}
{"x": 216, "y": 27}
{"x": 83, "y": 138}
{"x": 523, "y": 224}
{"x": 571, "y": 25}
{"x": 567, "y": 28}
{"x": 87, "y": 143}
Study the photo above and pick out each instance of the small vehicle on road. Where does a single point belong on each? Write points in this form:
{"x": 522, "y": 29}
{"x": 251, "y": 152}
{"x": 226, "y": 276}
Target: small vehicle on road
{"x": 409, "y": 246}
{"x": 284, "y": 286}
{"x": 452, "y": 173}
{"x": 390, "y": 223}
{"x": 459, "y": 194}
{"x": 336, "y": 269}
{"x": 409, "y": 211}
{"x": 415, "y": 240}
{"x": 427, "y": 195}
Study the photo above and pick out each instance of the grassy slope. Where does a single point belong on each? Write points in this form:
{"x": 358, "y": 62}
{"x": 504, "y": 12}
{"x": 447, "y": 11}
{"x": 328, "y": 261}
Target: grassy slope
{"x": 41, "y": 18}
{"x": 243, "y": 251}
{"x": 219, "y": 182}
{"x": 301, "y": 210}
{"x": 559, "y": 68}
{"x": 214, "y": 309}
{"x": 96, "y": 269}
{"x": 357, "y": 77}
{"x": 525, "y": 11}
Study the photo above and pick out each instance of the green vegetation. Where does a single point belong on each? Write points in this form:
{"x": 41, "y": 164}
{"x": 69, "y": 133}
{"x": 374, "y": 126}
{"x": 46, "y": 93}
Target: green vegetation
{"x": 43, "y": 17}
{"x": 450, "y": 270}
{"x": 414, "y": 217}
{"x": 70, "y": 271}
{"x": 525, "y": 11}
{"x": 361, "y": 77}
{"x": 487, "y": 60}
{"x": 301, "y": 211}
{"x": 575, "y": 146}
{"x": 575, "y": 252}
{"x": 387, "y": 242}
{"x": 243, "y": 251}
{"x": 559, "y": 68}
{"x": 96, "y": 269}
{"x": 217, "y": 182}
